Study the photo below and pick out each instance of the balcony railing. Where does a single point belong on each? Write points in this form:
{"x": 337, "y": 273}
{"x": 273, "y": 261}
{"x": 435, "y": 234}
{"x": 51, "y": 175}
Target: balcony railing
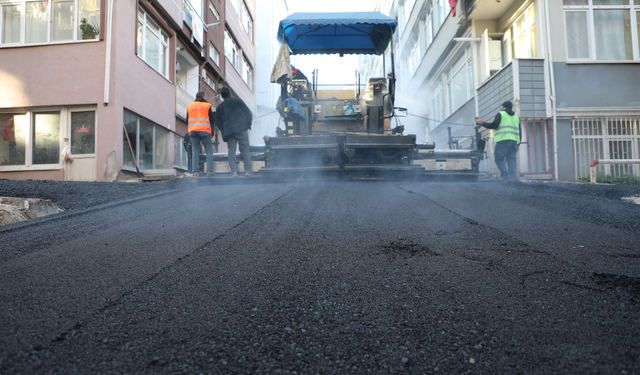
{"x": 183, "y": 99}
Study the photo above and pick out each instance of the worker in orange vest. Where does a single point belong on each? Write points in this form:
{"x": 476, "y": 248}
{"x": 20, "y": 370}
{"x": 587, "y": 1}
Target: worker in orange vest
{"x": 200, "y": 120}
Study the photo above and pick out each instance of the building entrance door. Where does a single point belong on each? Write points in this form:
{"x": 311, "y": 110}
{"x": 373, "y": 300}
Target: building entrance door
{"x": 82, "y": 139}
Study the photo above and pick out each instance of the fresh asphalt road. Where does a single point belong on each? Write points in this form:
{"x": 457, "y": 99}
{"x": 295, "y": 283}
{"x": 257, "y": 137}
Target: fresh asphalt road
{"x": 339, "y": 277}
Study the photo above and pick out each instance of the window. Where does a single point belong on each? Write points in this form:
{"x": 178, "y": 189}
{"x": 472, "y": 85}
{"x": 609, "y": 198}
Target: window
{"x": 459, "y": 82}
{"x": 437, "y": 105}
{"x": 408, "y": 8}
{"x": 210, "y": 82}
{"x": 414, "y": 59}
{"x": 30, "y": 139}
{"x": 247, "y": 73}
{"x": 214, "y": 11}
{"x": 231, "y": 50}
{"x": 150, "y": 143}
{"x": 523, "y": 35}
{"x": 38, "y": 22}
{"x": 153, "y": 44}
{"x": 236, "y": 5}
{"x": 428, "y": 28}
{"x": 83, "y": 133}
{"x": 440, "y": 11}
{"x": 214, "y": 54}
{"x": 247, "y": 22}
{"x": 196, "y": 6}
{"x": 180, "y": 158}
{"x": 602, "y": 30}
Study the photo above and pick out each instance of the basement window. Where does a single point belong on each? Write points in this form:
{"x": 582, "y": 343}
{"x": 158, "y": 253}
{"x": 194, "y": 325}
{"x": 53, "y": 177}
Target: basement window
{"x": 149, "y": 142}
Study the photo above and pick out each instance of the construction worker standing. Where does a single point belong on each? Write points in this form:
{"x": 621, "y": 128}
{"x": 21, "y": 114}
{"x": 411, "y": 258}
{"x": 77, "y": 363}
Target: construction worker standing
{"x": 234, "y": 120}
{"x": 200, "y": 121}
{"x": 507, "y": 139}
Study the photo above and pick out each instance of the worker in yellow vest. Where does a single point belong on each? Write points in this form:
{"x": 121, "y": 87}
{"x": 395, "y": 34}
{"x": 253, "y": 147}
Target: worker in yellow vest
{"x": 507, "y": 135}
{"x": 200, "y": 120}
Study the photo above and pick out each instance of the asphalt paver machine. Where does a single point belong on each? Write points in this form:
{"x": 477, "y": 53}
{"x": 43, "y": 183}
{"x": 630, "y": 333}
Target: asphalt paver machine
{"x": 340, "y": 131}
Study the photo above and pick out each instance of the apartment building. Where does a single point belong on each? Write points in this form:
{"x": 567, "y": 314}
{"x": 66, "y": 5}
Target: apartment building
{"x": 270, "y": 13}
{"x": 571, "y": 68}
{"x": 108, "y": 82}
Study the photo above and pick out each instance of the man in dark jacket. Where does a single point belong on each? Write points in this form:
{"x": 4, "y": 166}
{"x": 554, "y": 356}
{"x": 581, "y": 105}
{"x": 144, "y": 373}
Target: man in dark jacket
{"x": 233, "y": 119}
{"x": 507, "y": 137}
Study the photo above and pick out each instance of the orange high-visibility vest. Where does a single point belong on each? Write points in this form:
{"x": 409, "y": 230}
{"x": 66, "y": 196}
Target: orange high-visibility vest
{"x": 199, "y": 117}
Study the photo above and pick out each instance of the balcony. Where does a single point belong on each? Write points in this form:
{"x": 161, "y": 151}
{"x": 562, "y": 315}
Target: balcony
{"x": 523, "y": 82}
{"x": 183, "y": 99}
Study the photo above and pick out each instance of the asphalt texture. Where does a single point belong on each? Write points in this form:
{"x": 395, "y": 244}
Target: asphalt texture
{"x": 322, "y": 278}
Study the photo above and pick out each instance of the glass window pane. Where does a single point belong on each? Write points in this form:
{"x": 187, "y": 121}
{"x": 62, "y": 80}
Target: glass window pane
{"x": 610, "y": 2}
{"x": 638, "y": 26}
{"x": 162, "y": 148}
{"x": 152, "y": 50}
{"x": 83, "y": 133}
{"x": 575, "y": 2}
{"x": 46, "y": 138}
{"x": 131, "y": 124}
{"x": 146, "y": 144}
{"x": 613, "y": 34}
{"x": 577, "y": 35}
{"x": 36, "y": 23}
{"x": 14, "y": 135}
{"x": 63, "y": 20}
{"x": 89, "y": 16}
{"x": 139, "y": 42}
{"x": 11, "y": 16}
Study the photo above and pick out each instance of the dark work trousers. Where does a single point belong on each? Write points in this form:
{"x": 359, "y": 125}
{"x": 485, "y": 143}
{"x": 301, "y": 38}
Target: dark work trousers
{"x": 241, "y": 138}
{"x": 508, "y": 150}
{"x": 205, "y": 138}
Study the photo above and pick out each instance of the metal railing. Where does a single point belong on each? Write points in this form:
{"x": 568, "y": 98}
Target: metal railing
{"x": 183, "y": 99}
{"x": 592, "y": 167}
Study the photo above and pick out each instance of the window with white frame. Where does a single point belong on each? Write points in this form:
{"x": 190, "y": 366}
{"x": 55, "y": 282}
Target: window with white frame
{"x": 180, "y": 158}
{"x": 153, "y": 43}
{"x": 437, "y": 106}
{"x": 440, "y": 12}
{"x": 30, "y": 138}
{"x": 522, "y": 35}
{"x": 459, "y": 82}
{"x": 196, "y": 6}
{"x": 428, "y": 27}
{"x": 149, "y": 141}
{"x": 50, "y": 21}
{"x": 415, "y": 57}
{"x": 247, "y": 22}
{"x": 231, "y": 50}
{"x": 408, "y": 8}
{"x": 210, "y": 82}
{"x": 602, "y": 30}
{"x": 236, "y": 5}
{"x": 247, "y": 73}
{"x": 214, "y": 54}
{"x": 213, "y": 10}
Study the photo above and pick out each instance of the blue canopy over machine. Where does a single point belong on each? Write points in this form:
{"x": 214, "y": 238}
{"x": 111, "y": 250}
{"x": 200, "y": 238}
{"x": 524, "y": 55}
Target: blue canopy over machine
{"x": 342, "y": 33}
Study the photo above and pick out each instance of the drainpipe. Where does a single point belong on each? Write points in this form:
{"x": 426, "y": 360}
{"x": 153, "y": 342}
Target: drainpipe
{"x": 107, "y": 57}
{"x": 553, "y": 92}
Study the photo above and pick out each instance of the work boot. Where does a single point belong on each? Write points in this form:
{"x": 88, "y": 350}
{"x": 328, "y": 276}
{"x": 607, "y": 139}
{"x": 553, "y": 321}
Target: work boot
{"x": 248, "y": 174}
{"x": 209, "y": 174}
{"x": 234, "y": 174}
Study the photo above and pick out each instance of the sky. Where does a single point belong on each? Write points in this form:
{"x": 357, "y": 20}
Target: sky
{"x": 332, "y": 69}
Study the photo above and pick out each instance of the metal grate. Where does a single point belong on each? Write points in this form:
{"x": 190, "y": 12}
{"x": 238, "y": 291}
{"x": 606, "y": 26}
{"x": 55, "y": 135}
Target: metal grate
{"x": 606, "y": 138}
